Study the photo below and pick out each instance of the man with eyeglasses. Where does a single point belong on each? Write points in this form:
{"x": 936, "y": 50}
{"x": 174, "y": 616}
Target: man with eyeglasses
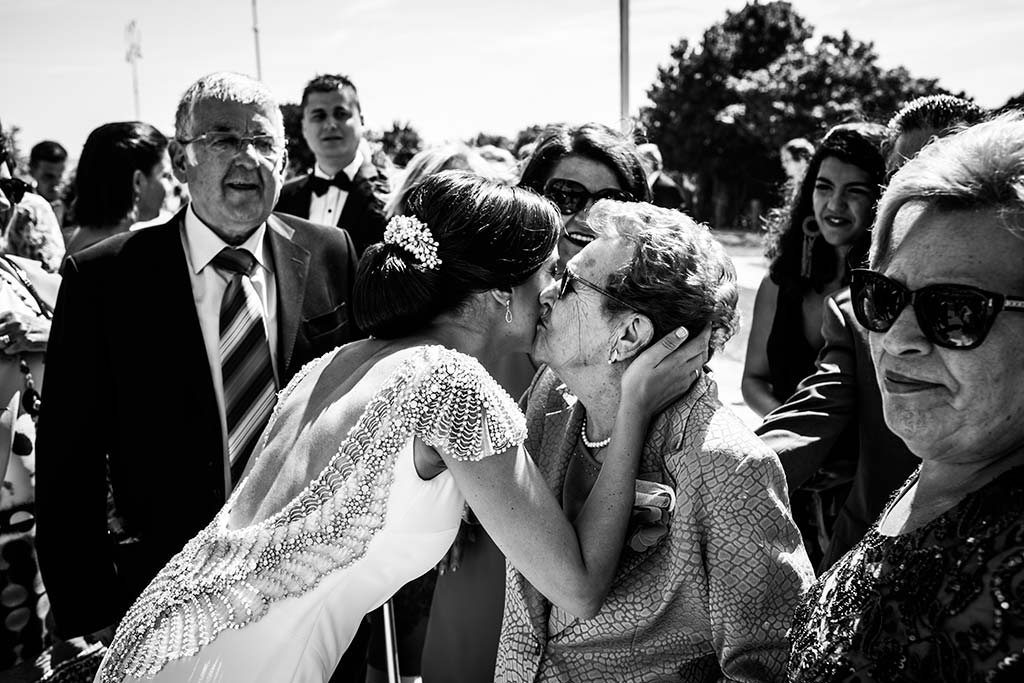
{"x": 344, "y": 188}
{"x": 168, "y": 346}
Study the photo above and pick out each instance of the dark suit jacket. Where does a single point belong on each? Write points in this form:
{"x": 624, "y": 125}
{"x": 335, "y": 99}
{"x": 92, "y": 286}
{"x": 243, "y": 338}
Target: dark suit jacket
{"x": 362, "y": 215}
{"x": 805, "y": 429}
{"x": 128, "y": 388}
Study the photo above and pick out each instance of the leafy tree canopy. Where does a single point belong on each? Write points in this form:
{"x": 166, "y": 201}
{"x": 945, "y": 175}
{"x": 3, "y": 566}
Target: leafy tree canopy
{"x": 722, "y": 109}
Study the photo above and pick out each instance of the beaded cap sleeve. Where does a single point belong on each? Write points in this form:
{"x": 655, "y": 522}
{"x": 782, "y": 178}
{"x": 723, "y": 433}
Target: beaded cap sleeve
{"x": 228, "y": 578}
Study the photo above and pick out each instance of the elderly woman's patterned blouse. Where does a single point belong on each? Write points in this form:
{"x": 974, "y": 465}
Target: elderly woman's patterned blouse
{"x": 941, "y": 603}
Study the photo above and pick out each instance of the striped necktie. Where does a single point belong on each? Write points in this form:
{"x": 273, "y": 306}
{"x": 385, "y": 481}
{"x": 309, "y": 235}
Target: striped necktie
{"x": 246, "y": 371}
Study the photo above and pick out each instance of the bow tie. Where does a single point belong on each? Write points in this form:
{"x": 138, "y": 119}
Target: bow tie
{"x": 319, "y": 185}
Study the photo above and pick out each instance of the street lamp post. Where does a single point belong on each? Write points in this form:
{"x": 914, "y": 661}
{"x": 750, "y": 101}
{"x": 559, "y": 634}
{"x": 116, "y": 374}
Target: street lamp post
{"x": 624, "y": 65}
{"x": 133, "y": 37}
{"x": 256, "y": 40}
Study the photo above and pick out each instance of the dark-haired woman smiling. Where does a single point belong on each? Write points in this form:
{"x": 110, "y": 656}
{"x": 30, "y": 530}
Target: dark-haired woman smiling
{"x": 575, "y": 166}
{"x": 361, "y": 476}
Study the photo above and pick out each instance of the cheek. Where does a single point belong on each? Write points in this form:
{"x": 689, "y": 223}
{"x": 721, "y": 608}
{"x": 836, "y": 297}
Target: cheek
{"x": 862, "y": 210}
{"x": 818, "y": 203}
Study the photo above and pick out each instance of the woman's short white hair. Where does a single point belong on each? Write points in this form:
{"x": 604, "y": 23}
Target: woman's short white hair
{"x": 979, "y": 168}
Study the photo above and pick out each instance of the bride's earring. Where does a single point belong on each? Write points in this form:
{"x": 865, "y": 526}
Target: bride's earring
{"x": 508, "y": 311}
{"x": 614, "y": 357}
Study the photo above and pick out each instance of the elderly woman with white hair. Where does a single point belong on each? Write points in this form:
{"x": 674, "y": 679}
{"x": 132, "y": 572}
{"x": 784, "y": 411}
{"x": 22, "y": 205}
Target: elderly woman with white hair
{"x": 935, "y": 590}
{"x": 713, "y": 565}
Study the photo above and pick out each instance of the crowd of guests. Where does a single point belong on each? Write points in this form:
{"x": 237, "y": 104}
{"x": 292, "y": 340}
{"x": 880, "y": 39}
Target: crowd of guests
{"x": 622, "y": 524}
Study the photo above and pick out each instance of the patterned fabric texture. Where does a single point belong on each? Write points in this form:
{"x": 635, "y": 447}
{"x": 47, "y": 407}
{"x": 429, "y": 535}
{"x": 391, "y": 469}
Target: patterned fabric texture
{"x": 712, "y": 600}
{"x": 944, "y": 602}
{"x": 227, "y": 578}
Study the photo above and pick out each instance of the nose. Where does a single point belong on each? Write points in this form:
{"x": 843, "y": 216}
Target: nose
{"x": 905, "y": 336}
{"x": 549, "y": 294}
{"x": 837, "y": 201}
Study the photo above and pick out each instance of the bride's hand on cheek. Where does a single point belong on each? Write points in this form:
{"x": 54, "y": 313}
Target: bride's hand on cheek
{"x": 664, "y": 371}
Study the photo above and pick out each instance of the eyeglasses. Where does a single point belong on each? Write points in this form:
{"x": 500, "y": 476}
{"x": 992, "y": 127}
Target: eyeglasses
{"x": 224, "y": 143}
{"x": 951, "y": 316}
{"x": 14, "y": 189}
{"x": 571, "y": 197}
{"x": 568, "y": 277}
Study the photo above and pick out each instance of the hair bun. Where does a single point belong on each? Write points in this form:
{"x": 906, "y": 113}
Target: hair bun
{"x": 394, "y": 294}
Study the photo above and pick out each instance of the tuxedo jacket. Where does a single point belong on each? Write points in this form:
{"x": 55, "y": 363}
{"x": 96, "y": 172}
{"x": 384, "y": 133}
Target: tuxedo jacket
{"x": 363, "y": 213}
{"x": 805, "y": 430}
{"x": 130, "y": 400}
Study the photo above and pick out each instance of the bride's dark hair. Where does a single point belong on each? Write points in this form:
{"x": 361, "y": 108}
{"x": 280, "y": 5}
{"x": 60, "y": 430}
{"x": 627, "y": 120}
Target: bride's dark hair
{"x": 489, "y": 236}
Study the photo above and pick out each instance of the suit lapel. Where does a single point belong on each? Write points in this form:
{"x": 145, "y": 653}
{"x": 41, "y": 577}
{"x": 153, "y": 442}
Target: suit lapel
{"x": 291, "y": 265}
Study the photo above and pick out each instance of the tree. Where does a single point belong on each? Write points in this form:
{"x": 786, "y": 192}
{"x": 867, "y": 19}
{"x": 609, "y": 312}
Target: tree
{"x": 401, "y": 142}
{"x": 492, "y": 139}
{"x": 300, "y": 156}
{"x": 1015, "y": 102}
{"x": 722, "y": 110}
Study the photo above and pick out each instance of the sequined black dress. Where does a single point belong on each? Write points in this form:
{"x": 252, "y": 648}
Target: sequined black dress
{"x": 942, "y": 603}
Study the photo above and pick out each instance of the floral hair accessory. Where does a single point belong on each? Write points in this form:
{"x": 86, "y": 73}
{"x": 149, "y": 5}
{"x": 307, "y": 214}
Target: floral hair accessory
{"x": 413, "y": 235}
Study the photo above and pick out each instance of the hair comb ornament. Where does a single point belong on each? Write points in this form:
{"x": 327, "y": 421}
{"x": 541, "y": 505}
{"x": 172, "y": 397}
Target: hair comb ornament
{"x": 411, "y": 234}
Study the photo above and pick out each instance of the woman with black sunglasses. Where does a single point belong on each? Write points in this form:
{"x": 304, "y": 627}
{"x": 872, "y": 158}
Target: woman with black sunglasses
{"x": 575, "y": 166}
{"x": 28, "y": 225}
{"x": 934, "y": 590}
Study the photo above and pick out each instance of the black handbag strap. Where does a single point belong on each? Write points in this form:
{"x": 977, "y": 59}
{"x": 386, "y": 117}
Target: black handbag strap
{"x": 23, "y": 278}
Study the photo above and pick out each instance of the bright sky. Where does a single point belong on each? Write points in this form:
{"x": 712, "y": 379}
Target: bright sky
{"x": 450, "y": 67}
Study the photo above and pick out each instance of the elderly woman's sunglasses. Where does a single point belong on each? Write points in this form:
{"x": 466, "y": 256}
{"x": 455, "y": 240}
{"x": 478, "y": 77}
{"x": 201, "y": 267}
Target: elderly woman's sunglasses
{"x": 951, "y": 316}
{"x": 571, "y": 197}
{"x": 568, "y": 277}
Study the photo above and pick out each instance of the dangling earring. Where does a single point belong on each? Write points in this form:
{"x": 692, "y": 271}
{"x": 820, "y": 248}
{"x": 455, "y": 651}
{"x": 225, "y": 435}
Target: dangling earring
{"x": 508, "y": 311}
{"x": 811, "y": 232}
{"x": 614, "y": 357}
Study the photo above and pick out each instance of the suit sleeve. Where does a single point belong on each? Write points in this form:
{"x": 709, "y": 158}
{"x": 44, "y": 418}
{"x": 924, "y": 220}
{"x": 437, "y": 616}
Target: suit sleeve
{"x": 804, "y": 429}
{"x": 75, "y": 557}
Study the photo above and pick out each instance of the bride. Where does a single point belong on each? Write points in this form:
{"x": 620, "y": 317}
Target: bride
{"x": 374, "y": 449}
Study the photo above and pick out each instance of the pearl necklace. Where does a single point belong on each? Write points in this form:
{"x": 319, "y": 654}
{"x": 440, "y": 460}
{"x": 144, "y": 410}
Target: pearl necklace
{"x": 592, "y": 445}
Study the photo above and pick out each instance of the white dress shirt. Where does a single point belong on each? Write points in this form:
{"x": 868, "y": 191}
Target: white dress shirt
{"x": 326, "y": 208}
{"x": 201, "y": 244}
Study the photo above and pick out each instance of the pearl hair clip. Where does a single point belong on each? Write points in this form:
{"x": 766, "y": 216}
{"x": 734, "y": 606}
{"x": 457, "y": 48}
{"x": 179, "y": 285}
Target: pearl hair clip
{"x": 411, "y": 234}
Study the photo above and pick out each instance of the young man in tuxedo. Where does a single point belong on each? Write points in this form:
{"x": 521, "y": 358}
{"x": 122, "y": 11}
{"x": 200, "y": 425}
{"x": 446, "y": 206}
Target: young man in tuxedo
{"x": 166, "y": 349}
{"x": 343, "y": 188}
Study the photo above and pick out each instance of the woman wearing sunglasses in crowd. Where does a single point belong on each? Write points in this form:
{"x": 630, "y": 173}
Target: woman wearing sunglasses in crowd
{"x": 577, "y": 166}
{"x": 824, "y": 228}
{"x": 573, "y": 166}
{"x": 933, "y": 591}
{"x": 27, "y": 295}
{"x": 714, "y": 564}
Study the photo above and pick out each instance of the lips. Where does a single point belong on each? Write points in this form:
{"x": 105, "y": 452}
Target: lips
{"x": 242, "y": 186}
{"x": 898, "y": 383}
{"x": 581, "y": 239}
{"x": 837, "y": 221}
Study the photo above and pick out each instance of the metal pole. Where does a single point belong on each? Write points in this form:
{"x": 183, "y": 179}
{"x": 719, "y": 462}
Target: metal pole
{"x": 256, "y": 40}
{"x": 133, "y": 37}
{"x": 624, "y": 64}
{"x": 135, "y": 89}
